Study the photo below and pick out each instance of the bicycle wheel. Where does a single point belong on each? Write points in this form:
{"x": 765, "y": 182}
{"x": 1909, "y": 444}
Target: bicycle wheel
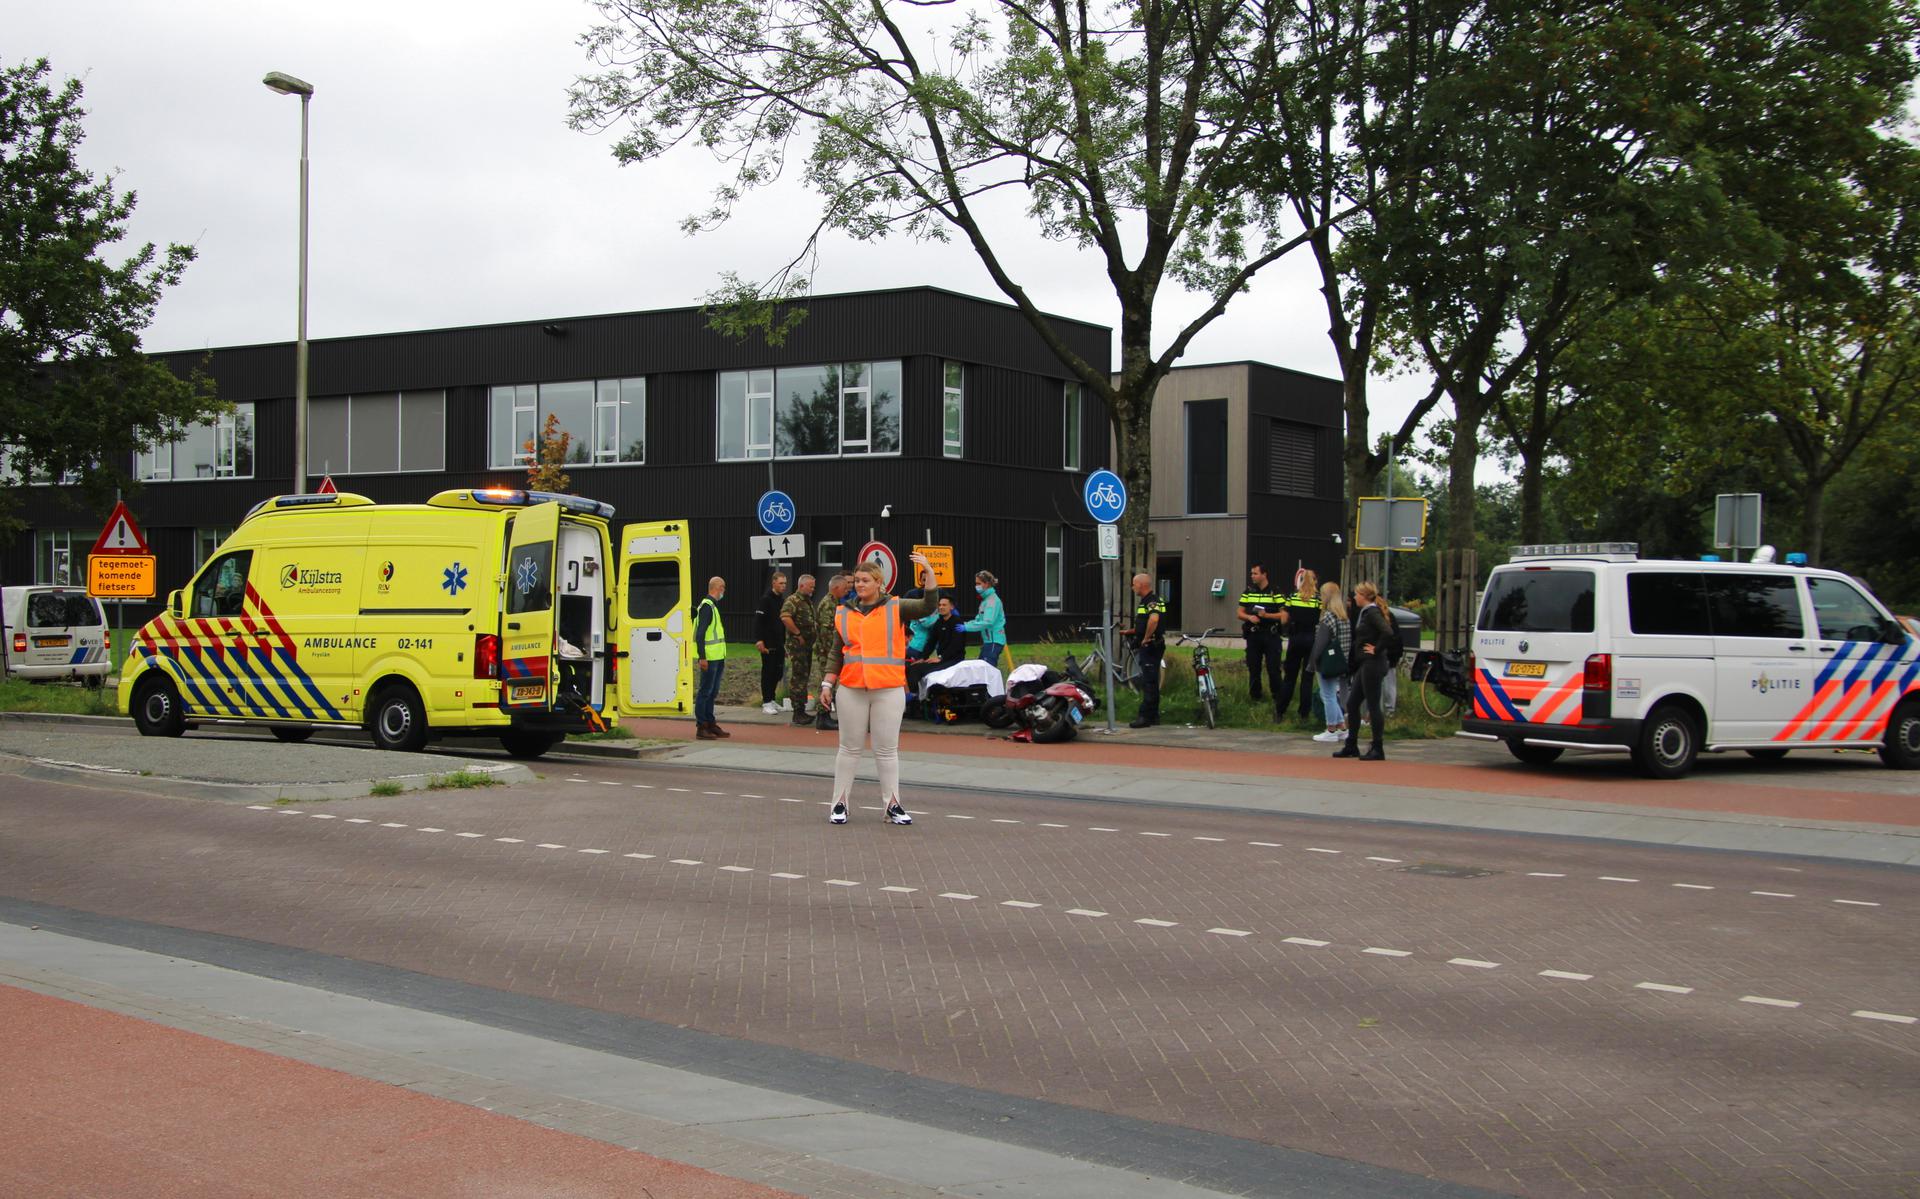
{"x": 1210, "y": 702}
{"x": 1438, "y": 703}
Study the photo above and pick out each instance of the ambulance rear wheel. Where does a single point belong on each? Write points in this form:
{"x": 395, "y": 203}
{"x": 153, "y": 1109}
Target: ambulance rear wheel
{"x": 523, "y": 744}
{"x": 156, "y": 707}
{"x": 1901, "y": 750}
{"x": 289, "y": 735}
{"x": 398, "y": 722}
{"x": 1669, "y": 743}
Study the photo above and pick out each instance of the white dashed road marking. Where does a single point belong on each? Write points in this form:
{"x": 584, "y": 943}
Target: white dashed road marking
{"x": 1763, "y": 1001}
{"x": 1666, "y": 988}
{"x": 510, "y": 840}
{"x": 1388, "y": 953}
{"x": 1231, "y": 932}
{"x": 1158, "y": 923}
{"x": 786, "y": 874}
{"x": 1773, "y": 894}
{"x": 593, "y": 851}
{"x": 841, "y": 882}
{"x": 1569, "y": 975}
{"x": 901, "y": 890}
{"x": 1476, "y": 963}
{"x": 1889, "y": 1017}
{"x": 1017, "y": 903}
{"x": 1084, "y": 912}
{"x": 957, "y": 895}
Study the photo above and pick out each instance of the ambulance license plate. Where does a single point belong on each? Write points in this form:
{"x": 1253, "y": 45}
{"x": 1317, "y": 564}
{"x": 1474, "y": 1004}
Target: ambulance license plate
{"x": 526, "y": 693}
{"x": 51, "y": 642}
{"x": 1526, "y": 670}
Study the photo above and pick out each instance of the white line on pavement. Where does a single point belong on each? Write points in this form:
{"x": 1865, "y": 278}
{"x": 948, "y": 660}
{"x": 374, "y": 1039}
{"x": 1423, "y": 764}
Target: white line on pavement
{"x": 738, "y": 869}
{"x": 1543, "y": 874}
{"x": 1609, "y": 878}
{"x": 470, "y": 835}
{"x": 1084, "y": 912}
{"x": 425, "y": 829}
{"x": 1569, "y": 975}
{"x": 392, "y": 824}
{"x": 1388, "y": 953}
{"x": 550, "y": 845}
{"x": 1476, "y": 963}
{"x": 1231, "y": 932}
{"x": 1266, "y": 844}
{"x": 957, "y": 895}
{"x": 358, "y": 820}
{"x": 1306, "y": 941}
{"x": 642, "y": 856}
{"x": 1763, "y": 1001}
{"x": 511, "y": 840}
{"x": 593, "y": 851}
{"x": 1209, "y": 838}
{"x": 1668, "y": 988}
{"x": 320, "y": 816}
{"x": 786, "y": 874}
{"x": 841, "y": 882}
{"x": 901, "y": 890}
{"x": 1890, "y": 1017}
{"x": 1317, "y": 849}
{"x": 1773, "y": 894}
{"x": 1693, "y": 886}
{"x": 1158, "y": 923}
{"x": 1395, "y": 861}
{"x": 686, "y": 861}
{"x": 1858, "y": 903}
{"x": 1017, "y": 903}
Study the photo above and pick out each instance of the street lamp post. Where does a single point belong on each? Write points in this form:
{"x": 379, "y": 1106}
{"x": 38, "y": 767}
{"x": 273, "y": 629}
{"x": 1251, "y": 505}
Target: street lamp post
{"x": 287, "y": 85}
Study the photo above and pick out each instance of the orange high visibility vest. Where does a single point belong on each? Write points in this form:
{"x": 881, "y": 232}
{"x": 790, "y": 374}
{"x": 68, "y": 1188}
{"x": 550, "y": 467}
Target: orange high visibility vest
{"x": 873, "y": 647}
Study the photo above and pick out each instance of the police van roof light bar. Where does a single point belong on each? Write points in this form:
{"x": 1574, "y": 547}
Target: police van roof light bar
{"x": 1579, "y": 549}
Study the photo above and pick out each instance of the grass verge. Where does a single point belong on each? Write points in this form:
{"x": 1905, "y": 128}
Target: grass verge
{"x": 385, "y": 787}
{"x": 461, "y": 780}
{"x": 19, "y": 695}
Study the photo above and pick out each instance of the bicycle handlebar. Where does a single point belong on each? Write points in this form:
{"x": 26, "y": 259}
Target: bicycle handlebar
{"x": 1184, "y": 638}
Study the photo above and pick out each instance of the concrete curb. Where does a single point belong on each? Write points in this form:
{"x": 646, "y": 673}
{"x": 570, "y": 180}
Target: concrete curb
{"x": 49, "y": 770}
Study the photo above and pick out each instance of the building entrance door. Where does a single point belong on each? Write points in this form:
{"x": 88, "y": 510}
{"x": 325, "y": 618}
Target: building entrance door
{"x": 1166, "y": 580}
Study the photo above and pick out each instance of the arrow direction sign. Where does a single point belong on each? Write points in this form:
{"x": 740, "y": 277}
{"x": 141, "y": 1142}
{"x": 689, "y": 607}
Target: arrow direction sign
{"x": 784, "y": 547}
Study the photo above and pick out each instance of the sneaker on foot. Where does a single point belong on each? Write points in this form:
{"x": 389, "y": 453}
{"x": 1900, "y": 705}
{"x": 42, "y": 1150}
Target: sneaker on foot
{"x": 1329, "y": 737}
{"x": 770, "y": 708}
{"x": 786, "y": 705}
{"x": 839, "y": 813}
{"x": 897, "y": 814}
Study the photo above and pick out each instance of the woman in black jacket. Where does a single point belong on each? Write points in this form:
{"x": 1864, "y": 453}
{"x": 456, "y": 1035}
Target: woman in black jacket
{"x": 1367, "y": 666}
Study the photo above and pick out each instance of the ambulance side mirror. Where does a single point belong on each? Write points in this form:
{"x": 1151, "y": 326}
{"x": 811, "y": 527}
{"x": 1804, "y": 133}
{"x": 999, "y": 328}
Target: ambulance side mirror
{"x": 173, "y": 605}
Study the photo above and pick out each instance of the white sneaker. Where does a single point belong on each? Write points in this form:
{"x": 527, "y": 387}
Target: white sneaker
{"x": 770, "y": 708}
{"x": 1329, "y": 737}
{"x": 839, "y": 813}
{"x": 786, "y": 704}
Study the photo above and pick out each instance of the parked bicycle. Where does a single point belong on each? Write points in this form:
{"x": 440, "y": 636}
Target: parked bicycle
{"x": 1444, "y": 681}
{"x": 1126, "y": 671}
{"x": 1203, "y": 684}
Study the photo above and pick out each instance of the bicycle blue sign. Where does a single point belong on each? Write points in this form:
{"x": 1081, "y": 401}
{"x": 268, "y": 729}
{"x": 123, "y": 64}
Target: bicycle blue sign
{"x": 1106, "y": 496}
{"x": 777, "y": 512}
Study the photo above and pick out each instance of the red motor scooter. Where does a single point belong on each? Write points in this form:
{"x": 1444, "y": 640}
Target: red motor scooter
{"x": 1047, "y": 709}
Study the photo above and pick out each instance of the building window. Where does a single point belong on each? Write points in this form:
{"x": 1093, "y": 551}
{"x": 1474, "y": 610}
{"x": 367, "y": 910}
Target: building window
{"x": 54, "y": 559}
{"x": 206, "y": 543}
{"x": 10, "y": 472}
{"x": 221, "y": 449}
{"x": 381, "y": 434}
{"x": 830, "y": 553}
{"x": 1207, "y": 458}
{"x": 1055, "y": 569}
{"x": 1291, "y": 460}
{"x": 1070, "y": 426}
{"x": 606, "y": 420}
{"x": 809, "y": 412}
{"x": 953, "y": 408}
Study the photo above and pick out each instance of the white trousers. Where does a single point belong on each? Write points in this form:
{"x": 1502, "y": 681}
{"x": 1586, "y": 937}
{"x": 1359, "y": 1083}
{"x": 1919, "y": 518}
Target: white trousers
{"x": 861, "y": 712}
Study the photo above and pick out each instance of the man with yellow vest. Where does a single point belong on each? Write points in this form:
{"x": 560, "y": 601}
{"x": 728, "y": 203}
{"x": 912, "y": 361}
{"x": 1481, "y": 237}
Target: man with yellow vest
{"x": 710, "y": 659}
{"x": 865, "y": 683}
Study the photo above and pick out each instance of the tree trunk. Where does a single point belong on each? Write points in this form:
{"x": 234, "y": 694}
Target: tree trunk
{"x": 1813, "y": 498}
{"x": 1532, "y": 473}
{"x": 1462, "y": 459}
{"x": 1358, "y": 455}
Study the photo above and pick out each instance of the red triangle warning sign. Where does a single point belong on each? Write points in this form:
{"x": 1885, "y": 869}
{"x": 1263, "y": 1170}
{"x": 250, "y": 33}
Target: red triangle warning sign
{"x": 326, "y": 487}
{"x": 121, "y": 536}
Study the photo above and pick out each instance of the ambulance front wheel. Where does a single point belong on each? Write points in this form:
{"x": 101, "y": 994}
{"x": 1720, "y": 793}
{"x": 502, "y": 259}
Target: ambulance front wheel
{"x": 522, "y": 743}
{"x": 156, "y": 707}
{"x": 398, "y": 721}
{"x": 1901, "y": 750}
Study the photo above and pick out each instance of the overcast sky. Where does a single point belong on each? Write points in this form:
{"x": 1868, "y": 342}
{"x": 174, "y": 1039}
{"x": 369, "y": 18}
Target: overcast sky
{"x": 447, "y": 189}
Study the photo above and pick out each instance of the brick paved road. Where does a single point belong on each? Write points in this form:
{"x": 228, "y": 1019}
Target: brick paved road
{"x": 1368, "y": 1011}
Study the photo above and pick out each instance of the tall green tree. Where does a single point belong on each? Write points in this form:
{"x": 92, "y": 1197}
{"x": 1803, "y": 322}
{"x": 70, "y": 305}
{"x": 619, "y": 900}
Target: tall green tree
{"x": 77, "y": 395}
{"x": 1107, "y": 120}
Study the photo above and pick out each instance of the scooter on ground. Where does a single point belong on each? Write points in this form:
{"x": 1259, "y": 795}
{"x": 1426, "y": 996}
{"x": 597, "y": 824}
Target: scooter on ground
{"x": 1045, "y": 709}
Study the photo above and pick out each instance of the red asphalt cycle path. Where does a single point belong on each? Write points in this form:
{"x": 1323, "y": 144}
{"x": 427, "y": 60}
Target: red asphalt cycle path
{"x": 1693, "y": 794}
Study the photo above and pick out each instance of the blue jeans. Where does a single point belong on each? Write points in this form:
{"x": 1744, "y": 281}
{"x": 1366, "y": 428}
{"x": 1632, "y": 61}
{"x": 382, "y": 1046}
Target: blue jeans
{"x": 1330, "y": 698}
{"x": 990, "y": 652}
{"x": 706, "y": 690}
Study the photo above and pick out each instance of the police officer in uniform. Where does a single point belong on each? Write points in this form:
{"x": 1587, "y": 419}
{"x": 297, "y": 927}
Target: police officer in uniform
{"x": 1150, "y": 645}
{"x": 1262, "y": 611}
{"x": 796, "y": 618}
{"x": 1303, "y": 618}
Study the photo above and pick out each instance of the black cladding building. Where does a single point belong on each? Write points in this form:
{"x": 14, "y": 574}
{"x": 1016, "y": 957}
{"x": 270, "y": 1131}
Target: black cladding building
{"x": 944, "y": 412}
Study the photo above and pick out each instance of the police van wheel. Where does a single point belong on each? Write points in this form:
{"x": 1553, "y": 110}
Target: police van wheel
{"x": 1534, "y": 755}
{"x": 156, "y": 708}
{"x": 291, "y": 736}
{"x": 1669, "y": 743}
{"x": 397, "y": 721}
{"x": 1901, "y": 750}
{"x": 523, "y": 744}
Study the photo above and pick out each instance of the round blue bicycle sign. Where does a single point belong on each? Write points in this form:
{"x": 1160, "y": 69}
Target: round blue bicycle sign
{"x": 777, "y": 512}
{"x": 1106, "y": 497}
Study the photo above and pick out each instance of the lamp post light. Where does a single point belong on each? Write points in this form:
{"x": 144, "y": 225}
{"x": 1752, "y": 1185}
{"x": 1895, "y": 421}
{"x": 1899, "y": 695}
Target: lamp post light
{"x": 287, "y": 85}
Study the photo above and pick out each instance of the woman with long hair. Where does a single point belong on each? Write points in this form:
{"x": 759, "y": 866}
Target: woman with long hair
{"x": 865, "y": 682}
{"x": 1333, "y": 630}
{"x": 1367, "y": 664}
{"x": 991, "y": 621}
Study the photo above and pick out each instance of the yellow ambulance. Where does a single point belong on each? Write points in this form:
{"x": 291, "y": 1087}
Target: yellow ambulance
{"x": 484, "y": 612}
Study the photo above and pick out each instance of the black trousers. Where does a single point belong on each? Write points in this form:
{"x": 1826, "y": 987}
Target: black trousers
{"x": 1264, "y": 653}
{"x": 1368, "y": 682}
{"x": 1147, "y": 657}
{"x": 773, "y": 665}
{"x": 1297, "y": 673}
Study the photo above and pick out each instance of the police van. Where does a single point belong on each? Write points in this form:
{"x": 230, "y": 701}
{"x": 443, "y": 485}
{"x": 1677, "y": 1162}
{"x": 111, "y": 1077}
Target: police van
{"x": 54, "y": 633}
{"x": 487, "y": 612}
{"x": 1589, "y": 646}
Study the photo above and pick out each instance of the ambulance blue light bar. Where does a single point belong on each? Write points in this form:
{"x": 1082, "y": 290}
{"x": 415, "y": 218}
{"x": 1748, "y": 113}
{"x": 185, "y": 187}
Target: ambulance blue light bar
{"x": 515, "y": 498}
{"x": 1579, "y": 549}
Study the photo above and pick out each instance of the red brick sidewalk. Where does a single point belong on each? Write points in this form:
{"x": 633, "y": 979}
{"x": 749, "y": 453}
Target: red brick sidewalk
{"x": 96, "y": 1103}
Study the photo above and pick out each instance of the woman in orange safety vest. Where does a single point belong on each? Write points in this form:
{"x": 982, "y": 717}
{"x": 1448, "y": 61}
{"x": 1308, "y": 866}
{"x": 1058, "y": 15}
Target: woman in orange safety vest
{"x": 865, "y": 681}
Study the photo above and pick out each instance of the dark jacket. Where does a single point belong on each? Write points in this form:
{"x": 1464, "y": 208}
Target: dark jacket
{"x": 947, "y": 640}
{"x": 766, "y": 621}
{"x": 1370, "y": 627}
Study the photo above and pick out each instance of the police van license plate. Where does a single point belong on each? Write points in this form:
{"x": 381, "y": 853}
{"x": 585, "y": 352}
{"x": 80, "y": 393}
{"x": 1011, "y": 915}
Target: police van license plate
{"x": 51, "y": 642}
{"x": 526, "y": 693}
{"x": 1526, "y": 670}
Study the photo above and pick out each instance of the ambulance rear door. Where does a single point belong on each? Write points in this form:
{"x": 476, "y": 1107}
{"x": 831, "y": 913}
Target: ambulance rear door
{"x": 526, "y": 634}
{"x": 654, "y": 622}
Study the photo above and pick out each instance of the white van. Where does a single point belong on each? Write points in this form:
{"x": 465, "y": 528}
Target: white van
{"x": 54, "y": 633}
{"x": 1589, "y": 647}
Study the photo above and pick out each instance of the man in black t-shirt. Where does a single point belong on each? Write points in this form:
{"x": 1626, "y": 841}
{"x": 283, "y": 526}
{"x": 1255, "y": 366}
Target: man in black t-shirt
{"x": 770, "y": 638}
